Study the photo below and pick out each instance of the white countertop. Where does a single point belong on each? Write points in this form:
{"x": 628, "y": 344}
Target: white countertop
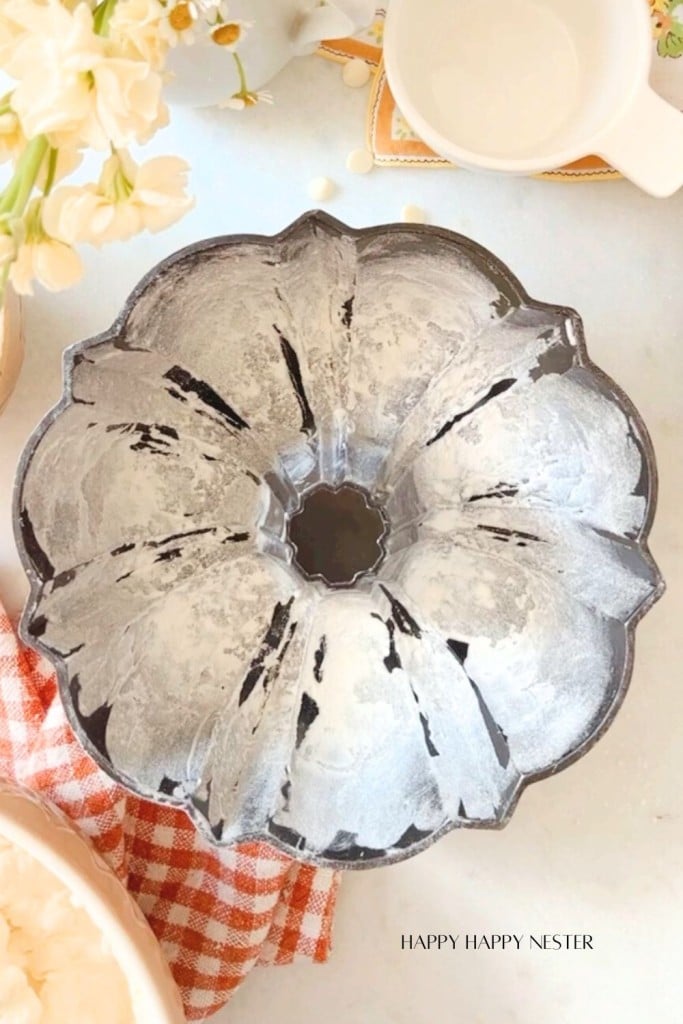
{"x": 599, "y": 848}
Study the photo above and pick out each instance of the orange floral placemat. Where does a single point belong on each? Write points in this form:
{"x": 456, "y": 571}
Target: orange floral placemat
{"x": 393, "y": 143}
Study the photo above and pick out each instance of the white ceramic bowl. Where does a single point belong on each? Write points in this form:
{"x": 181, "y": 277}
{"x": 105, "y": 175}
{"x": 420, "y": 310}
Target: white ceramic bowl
{"x": 534, "y": 85}
{"x": 46, "y": 834}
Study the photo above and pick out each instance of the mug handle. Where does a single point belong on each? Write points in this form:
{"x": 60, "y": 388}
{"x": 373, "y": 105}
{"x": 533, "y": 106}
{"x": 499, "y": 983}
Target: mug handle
{"x": 646, "y": 145}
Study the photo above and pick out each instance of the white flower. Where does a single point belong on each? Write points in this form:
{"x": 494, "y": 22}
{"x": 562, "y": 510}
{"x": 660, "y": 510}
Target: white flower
{"x": 127, "y": 101}
{"x": 229, "y": 34}
{"x": 180, "y": 22}
{"x": 135, "y": 31}
{"x": 53, "y": 264}
{"x": 12, "y": 140}
{"x": 7, "y": 252}
{"x": 44, "y": 258}
{"x": 71, "y": 5}
{"x": 51, "y": 64}
{"x": 127, "y": 199}
{"x": 69, "y": 88}
{"x": 82, "y": 214}
{"x": 10, "y": 33}
{"x": 66, "y": 159}
{"x": 240, "y": 100}
{"x": 235, "y": 102}
{"x": 159, "y": 191}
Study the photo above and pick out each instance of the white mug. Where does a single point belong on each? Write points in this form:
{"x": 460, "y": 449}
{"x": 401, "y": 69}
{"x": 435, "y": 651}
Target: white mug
{"x": 534, "y": 85}
{"x": 205, "y": 73}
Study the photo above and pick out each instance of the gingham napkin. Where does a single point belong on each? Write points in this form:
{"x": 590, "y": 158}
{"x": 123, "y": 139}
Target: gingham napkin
{"x": 216, "y": 914}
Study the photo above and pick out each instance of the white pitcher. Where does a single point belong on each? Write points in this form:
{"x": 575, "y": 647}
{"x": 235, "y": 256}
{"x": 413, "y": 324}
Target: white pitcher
{"x": 205, "y": 73}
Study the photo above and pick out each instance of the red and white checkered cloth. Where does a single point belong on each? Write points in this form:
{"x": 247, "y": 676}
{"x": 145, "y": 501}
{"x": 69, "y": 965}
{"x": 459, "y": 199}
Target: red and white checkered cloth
{"x": 215, "y": 913}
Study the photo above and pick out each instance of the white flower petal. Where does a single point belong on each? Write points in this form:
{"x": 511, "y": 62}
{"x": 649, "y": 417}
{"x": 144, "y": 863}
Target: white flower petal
{"x": 57, "y": 265}
{"x": 21, "y": 273}
{"x": 67, "y": 212}
{"x": 7, "y": 249}
{"x": 127, "y": 100}
{"x": 84, "y": 214}
{"x": 53, "y": 264}
{"x": 52, "y": 92}
{"x": 232, "y": 103}
{"x": 12, "y": 139}
{"x": 135, "y": 31}
{"x": 159, "y": 194}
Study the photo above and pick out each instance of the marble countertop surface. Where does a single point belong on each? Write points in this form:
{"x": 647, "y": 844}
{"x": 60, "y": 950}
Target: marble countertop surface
{"x": 596, "y": 850}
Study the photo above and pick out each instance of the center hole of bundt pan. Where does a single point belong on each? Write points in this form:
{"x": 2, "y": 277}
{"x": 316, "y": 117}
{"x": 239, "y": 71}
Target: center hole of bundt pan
{"x": 337, "y": 534}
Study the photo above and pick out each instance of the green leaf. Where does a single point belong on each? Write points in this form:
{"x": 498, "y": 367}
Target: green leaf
{"x": 671, "y": 44}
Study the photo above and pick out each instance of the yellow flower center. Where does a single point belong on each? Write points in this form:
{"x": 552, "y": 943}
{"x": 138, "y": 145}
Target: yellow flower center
{"x": 227, "y": 34}
{"x": 181, "y": 17}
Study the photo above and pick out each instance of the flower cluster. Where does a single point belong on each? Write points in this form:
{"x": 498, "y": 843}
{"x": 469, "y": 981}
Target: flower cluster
{"x": 89, "y": 75}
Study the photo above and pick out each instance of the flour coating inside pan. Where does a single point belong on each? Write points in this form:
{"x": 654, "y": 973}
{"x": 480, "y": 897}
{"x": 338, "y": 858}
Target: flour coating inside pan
{"x": 490, "y": 643}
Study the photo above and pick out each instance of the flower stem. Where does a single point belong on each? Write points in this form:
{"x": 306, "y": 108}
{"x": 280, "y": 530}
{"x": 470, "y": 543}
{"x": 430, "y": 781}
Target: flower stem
{"x": 51, "y": 170}
{"x": 101, "y": 16}
{"x": 117, "y": 186}
{"x": 15, "y": 197}
{"x": 241, "y": 72}
{"x": 33, "y": 221}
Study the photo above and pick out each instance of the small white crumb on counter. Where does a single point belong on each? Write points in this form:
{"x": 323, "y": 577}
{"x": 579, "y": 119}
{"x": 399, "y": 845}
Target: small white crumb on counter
{"x": 356, "y": 73}
{"x": 411, "y": 214}
{"x": 359, "y": 161}
{"x": 320, "y": 189}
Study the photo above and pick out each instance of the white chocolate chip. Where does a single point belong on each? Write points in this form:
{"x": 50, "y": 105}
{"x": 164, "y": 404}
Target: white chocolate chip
{"x": 320, "y": 189}
{"x": 359, "y": 161}
{"x": 411, "y": 214}
{"x": 356, "y": 73}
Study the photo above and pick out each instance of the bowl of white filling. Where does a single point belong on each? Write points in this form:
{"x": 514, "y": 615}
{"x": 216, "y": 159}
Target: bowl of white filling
{"x": 74, "y": 946}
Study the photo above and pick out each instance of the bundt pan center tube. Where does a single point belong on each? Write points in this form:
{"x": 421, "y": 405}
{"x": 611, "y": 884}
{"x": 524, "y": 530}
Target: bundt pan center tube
{"x": 337, "y": 539}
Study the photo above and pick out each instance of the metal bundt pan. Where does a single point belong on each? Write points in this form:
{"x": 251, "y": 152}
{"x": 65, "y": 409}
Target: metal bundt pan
{"x": 455, "y": 621}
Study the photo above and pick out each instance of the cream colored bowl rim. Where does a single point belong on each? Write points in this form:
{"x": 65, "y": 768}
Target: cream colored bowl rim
{"x": 31, "y": 823}
{"x": 395, "y": 43}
